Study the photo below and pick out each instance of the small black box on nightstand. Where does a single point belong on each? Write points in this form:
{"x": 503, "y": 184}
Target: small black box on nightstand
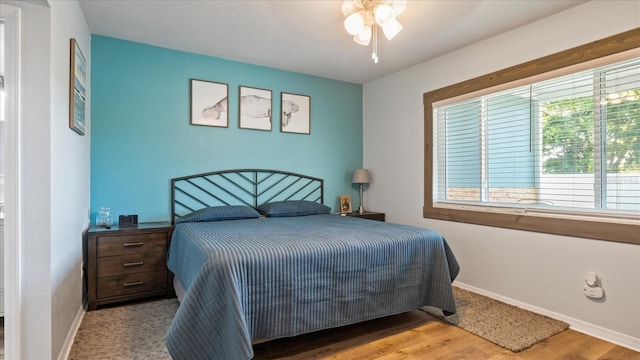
{"x": 128, "y": 220}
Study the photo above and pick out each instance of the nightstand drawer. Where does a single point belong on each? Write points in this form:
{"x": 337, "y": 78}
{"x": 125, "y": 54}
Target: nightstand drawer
{"x": 130, "y": 264}
{"x": 126, "y": 263}
{"x": 111, "y": 245}
{"x": 131, "y": 284}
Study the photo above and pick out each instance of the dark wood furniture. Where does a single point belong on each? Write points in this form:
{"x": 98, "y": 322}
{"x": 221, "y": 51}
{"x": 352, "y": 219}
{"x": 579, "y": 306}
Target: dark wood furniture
{"x": 371, "y": 215}
{"x": 126, "y": 263}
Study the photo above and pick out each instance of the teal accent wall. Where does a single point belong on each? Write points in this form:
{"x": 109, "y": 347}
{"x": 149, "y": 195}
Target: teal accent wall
{"x": 141, "y": 136}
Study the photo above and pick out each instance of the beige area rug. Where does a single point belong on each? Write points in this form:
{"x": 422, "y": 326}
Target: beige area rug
{"x": 138, "y": 331}
{"x": 505, "y": 325}
{"x": 125, "y": 332}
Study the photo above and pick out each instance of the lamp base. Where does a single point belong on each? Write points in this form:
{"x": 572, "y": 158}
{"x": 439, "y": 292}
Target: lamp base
{"x": 361, "y": 209}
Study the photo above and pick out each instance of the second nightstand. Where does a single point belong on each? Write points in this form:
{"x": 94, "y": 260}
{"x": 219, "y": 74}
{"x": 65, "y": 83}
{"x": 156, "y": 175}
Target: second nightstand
{"x": 125, "y": 263}
{"x": 371, "y": 215}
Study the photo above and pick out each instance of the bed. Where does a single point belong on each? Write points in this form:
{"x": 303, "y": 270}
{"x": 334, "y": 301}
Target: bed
{"x": 290, "y": 268}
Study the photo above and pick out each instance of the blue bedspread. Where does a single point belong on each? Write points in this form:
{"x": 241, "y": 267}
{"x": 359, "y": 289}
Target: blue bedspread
{"x": 276, "y": 277}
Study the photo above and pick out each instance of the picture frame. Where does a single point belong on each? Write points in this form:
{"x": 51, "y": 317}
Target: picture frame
{"x": 345, "y": 204}
{"x": 254, "y": 108}
{"x": 295, "y": 113}
{"x": 77, "y": 88}
{"x": 209, "y": 103}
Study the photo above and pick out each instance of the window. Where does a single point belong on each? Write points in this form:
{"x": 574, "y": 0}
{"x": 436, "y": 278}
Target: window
{"x": 553, "y": 151}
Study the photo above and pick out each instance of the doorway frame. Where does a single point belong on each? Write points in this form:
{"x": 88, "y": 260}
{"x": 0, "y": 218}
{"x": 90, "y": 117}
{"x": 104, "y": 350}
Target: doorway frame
{"x": 12, "y": 254}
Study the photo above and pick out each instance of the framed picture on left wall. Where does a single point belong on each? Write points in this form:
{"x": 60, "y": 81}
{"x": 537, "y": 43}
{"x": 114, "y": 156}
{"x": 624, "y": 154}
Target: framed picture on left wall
{"x": 209, "y": 103}
{"x": 77, "y": 88}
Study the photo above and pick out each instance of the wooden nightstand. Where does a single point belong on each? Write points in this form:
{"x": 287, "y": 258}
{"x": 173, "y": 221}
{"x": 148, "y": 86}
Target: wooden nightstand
{"x": 126, "y": 263}
{"x": 371, "y": 215}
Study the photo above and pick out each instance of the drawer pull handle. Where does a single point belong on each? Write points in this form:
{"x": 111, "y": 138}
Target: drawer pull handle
{"x": 133, "y": 264}
{"x": 135, "y": 283}
{"x": 133, "y": 244}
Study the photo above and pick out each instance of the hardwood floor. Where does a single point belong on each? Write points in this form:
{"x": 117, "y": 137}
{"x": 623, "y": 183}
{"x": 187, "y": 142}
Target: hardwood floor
{"x": 417, "y": 335}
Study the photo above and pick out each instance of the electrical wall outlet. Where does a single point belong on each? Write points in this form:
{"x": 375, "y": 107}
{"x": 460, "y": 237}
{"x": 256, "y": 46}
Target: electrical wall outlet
{"x": 591, "y": 286}
{"x": 593, "y": 292}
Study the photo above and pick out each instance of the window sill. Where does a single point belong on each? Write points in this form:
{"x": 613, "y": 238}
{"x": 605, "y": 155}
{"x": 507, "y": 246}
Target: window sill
{"x": 622, "y": 229}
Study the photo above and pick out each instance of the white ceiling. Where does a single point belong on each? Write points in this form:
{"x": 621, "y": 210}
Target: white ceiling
{"x": 308, "y": 36}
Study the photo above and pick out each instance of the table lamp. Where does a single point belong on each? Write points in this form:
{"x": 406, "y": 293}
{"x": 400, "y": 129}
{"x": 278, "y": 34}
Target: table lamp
{"x": 361, "y": 177}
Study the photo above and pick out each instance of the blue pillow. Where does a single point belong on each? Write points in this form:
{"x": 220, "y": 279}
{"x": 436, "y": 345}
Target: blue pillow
{"x": 216, "y": 213}
{"x": 293, "y": 208}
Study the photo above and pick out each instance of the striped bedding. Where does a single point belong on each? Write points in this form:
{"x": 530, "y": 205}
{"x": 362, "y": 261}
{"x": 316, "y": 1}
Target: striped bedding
{"x": 276, "y": 277}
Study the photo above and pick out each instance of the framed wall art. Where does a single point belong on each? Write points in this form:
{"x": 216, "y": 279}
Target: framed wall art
{"x": 77, "y": 89}
{"x": 295, "y": 113}
{"x": 254, "y": 108}
{"x": 345, "y": 204}
{"x": 209, "y": 103}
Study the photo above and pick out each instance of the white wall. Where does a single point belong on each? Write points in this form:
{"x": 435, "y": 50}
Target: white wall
{"x": 70, "y": 173}
{"x": 54, "y": 180}
{"x": 541, "y": 270}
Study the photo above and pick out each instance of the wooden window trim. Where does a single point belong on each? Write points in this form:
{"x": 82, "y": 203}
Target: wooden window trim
{"x": 597, "y": 228}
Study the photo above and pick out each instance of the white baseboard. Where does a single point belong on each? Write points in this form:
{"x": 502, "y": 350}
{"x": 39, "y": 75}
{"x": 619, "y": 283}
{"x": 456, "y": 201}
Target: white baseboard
{"x": 575, "y": 324}
{"x": 68, "y": 342}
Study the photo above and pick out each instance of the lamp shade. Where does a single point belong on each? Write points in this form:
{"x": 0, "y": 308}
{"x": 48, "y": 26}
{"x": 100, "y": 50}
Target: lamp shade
{"x": 391, "y": 28}
{"x": 364, "y": 36}
{"x": 355, "y": 22}
{"x": 360, "y": 176}
{"x": 383, "y": 14}
{"x": 398, "y": 6}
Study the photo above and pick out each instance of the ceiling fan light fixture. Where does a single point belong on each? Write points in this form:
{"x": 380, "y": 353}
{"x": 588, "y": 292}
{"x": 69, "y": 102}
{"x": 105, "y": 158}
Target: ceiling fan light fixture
{"x": 398, "y": 6}
{"x": 364, "y": 17}
{"x": 384, "y": 14}
{"x": 363, "y": 37}
{"x": 355, "y": 23}
{"x": 391, "y": 29}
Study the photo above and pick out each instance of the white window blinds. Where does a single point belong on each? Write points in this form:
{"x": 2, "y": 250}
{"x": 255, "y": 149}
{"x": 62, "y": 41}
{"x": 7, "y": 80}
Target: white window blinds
{"x": 567, "y": 143}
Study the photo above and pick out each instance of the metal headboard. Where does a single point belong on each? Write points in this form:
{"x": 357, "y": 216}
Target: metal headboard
{"x": 249, "y": 187}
